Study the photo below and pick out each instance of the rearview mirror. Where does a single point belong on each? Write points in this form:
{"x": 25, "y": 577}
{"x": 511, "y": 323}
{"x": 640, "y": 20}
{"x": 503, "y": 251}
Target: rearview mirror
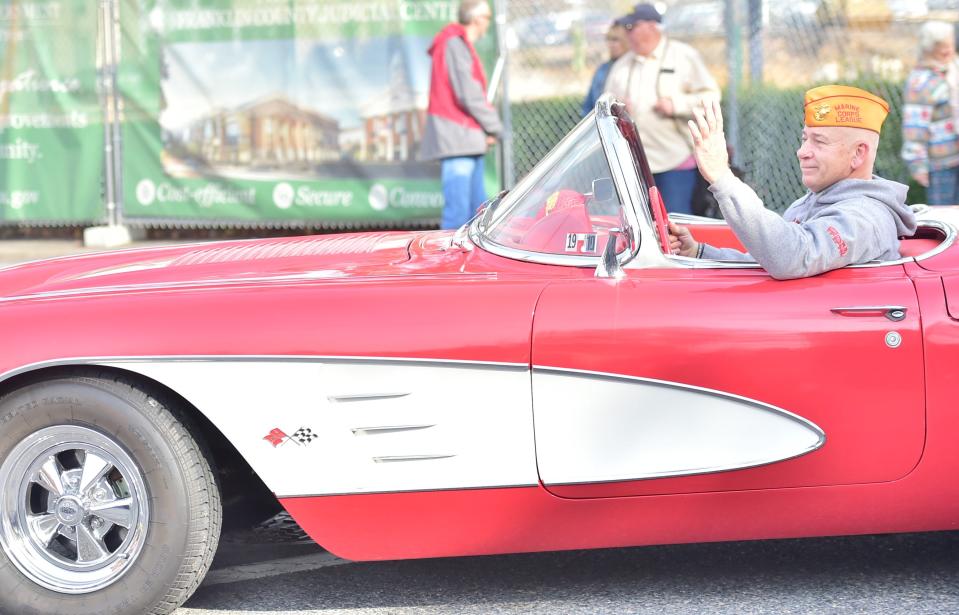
{"x": 603, "y": 189}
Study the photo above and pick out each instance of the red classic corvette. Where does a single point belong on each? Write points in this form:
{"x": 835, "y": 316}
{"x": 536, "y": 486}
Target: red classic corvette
{"x": 547, "y": 377}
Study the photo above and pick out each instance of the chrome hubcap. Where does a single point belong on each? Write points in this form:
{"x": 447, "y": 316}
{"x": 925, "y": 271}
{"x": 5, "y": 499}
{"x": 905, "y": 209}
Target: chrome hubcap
{"x": 69, "y": 510}
{"x": 73, "y": 509}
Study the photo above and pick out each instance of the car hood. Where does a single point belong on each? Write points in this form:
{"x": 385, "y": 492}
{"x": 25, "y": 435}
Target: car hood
{"x": 313, "y": 257}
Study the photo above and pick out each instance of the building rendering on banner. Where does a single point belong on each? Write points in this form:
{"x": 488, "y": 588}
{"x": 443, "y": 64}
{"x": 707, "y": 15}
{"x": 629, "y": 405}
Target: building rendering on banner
{"x": 271, "y": 133}
{"x": 393, "y": 120}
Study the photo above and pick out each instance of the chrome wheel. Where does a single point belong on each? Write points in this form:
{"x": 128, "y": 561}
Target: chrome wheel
{"x": 73, "y": 509}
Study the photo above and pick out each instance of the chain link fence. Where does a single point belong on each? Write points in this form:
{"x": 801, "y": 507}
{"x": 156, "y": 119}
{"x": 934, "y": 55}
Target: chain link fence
{"x": 764, "y": 53}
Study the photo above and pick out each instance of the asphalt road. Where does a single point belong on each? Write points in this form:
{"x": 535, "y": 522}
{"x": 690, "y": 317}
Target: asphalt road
{"x": 910, "y": 573}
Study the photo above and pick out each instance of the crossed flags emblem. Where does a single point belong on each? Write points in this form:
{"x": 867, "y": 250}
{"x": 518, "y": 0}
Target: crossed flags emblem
{"x": 301, "y": 437}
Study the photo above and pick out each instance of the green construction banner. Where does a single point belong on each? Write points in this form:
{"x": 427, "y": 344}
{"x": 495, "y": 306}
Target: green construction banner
{"x": 51, "y": 124}
{"x": 281, "y": 111}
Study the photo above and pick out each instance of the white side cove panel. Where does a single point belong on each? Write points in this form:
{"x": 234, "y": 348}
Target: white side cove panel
{"x": 601, "y": 428}
{"x": 334, "y": 426}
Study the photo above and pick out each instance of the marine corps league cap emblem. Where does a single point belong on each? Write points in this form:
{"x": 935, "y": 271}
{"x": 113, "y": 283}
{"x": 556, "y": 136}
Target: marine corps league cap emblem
{"x": 845, "y": 106}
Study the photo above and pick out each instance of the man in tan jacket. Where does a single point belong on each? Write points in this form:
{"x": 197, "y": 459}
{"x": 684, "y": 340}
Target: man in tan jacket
{"x": 661, "y": 80}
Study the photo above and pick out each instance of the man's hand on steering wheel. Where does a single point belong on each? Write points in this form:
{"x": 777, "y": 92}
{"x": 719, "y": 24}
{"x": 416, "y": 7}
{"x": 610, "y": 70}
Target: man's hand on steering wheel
{"x": 681, "y": 241}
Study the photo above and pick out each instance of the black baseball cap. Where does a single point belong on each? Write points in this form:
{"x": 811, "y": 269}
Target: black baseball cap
{"x": 641, "y": 12}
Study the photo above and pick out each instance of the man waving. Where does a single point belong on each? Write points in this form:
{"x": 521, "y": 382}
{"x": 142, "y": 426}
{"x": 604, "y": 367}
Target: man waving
{"x": 848, "y": 216}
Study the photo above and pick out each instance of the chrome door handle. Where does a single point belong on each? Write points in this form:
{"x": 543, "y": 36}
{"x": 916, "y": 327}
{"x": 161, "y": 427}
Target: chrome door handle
{"x": 894, "y": 313}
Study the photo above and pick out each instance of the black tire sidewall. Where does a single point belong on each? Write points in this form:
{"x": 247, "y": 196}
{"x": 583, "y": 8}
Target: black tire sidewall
{"x": 143, "y": 428}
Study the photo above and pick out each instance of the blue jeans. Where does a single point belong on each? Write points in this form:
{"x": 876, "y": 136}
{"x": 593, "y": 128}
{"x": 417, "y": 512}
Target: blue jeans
{"x": 677, "y": 189}
{"x": 463, "y": 189}
{"x": 943, "y": 187}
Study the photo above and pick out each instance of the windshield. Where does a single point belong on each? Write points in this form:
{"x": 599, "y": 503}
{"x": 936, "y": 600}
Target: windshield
{"x": 566, "y": 205}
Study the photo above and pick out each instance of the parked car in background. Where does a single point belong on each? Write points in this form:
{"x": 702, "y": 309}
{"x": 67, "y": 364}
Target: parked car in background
{"x": 557, "y": 28}
{"x": 695, "y": 19}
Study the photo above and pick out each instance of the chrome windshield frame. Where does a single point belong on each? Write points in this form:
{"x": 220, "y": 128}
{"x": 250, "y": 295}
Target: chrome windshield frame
{"x": 622, "y": 171}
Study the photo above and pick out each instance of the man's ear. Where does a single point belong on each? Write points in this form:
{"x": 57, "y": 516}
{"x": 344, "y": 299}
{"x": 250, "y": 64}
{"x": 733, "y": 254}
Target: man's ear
{"x": 860, "y": 155}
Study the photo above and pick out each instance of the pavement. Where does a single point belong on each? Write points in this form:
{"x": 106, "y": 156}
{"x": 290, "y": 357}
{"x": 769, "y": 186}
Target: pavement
{"x": 904, "y": 574}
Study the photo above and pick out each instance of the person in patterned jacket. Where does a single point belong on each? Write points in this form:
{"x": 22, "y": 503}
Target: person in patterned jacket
{"x": 930, "y": 143}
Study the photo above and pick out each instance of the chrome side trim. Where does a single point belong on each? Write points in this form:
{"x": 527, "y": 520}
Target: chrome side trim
{"x": 292, "y": 496}
{"x": 95, "y": 360}
{"x": 398, "y": 458}
{"x": 364, "y": 397}
{"x": 362, "y": 431}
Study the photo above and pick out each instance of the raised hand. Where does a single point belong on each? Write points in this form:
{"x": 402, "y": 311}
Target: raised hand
{"x": 709, "y": 142}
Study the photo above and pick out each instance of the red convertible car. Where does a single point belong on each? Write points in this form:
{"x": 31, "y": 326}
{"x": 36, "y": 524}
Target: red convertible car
{"x": 547, "y": 377}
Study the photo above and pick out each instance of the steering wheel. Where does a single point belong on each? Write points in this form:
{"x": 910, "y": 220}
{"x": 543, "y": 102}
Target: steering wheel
{"x": 561, "y": 200}
{"x": 660, "y": 217}
{"x": 564, "y": 212}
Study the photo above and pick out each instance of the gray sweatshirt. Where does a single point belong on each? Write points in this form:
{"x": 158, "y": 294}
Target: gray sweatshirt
{"x": 852, "y": 221}
{"x": 443, "y": 138}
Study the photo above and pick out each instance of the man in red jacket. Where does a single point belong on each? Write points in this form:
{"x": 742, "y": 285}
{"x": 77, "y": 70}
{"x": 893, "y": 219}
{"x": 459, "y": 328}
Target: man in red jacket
{"x": 460, "y": 124}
